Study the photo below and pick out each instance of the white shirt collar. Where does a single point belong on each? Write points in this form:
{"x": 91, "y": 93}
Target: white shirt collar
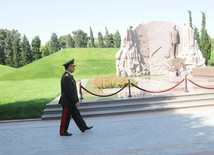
{"x": 68, "y": 72}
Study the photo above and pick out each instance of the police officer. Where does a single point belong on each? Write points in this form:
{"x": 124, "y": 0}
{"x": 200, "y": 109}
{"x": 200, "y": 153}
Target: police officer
{"x": 69, "y": 101}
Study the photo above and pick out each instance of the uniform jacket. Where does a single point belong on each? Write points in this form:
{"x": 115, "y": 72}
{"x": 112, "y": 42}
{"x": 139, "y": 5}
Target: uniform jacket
{"x": 69, "y": 95}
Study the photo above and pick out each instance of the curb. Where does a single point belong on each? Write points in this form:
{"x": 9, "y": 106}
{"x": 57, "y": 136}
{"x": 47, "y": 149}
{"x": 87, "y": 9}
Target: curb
{"x": 20, "y": 120}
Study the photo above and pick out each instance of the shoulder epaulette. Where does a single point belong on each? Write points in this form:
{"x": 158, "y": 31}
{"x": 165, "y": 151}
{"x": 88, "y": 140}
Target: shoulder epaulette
{"x": 66, "y": 74}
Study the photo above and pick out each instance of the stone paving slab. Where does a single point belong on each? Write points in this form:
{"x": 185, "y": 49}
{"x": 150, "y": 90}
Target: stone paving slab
{"x": 184, "y": 131}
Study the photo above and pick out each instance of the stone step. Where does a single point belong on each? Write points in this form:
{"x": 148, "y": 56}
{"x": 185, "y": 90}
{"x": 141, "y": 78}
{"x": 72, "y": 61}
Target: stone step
{"x": 122, "y": 105}
{"x": 134, "y": 105}
{"x": 148, "y": 100}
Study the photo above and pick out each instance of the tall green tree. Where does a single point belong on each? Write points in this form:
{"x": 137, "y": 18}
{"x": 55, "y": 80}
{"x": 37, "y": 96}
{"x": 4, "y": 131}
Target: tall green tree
{"x": 117, "y": 39}
{"x": 100, "y": 40}
{"x": 107, "y": 39}
{"x": 16, "y": 51}
{"x": 80, "y": 38}
{"x": 70, "y": 41}
{"x": 91, "y": 38}
{"x": 54, "y": 44}
{"x": 9, "y": 47}
{"x": 190, "y": 18}
{"x": 205, "y": 41}
{"x": 36, "y": 42}
{"x": 196, "y": 35}
{"x": 3, "y": 35}
{"x": 62, "y": 42}
{"x": 111, "y": 38}
{"x": 26, "y": 56}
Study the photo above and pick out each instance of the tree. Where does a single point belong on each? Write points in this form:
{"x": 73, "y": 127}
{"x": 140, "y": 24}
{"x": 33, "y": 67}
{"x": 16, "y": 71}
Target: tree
{"x": 111, "y": 38}
{"x": 36, "y": 42}
{"x": 100, "y": 40}
{"x": 1, "y": 56}
{"x": 16, "y": 50}
{"x": 91, "y": 38}
{"x": 196, "y": 35}
{"x": 54, "y": 44}
{"x": 62, "y": 42}
{"x": 26, "y": 56}
{"x": 117, "y": 39}
{"x": 130, "y": 27}
{"x": 9, "y": 48}
{"x": 44, "y": 50}
{"x": 80, "y": 38}
{"x": 3, "y": 35}
{"x": 107, "y": 39}
{"x": 70, "y": 42}
{"x": 190, "y": 18}
{"x": 205, "y": 41}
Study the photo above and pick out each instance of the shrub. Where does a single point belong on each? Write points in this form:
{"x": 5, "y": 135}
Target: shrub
{"x": 211, "y": 62}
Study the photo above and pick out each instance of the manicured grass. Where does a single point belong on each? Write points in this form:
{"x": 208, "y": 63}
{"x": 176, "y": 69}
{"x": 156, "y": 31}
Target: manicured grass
{"x": 25, "y": 91}
{"x": 6, "y": 69}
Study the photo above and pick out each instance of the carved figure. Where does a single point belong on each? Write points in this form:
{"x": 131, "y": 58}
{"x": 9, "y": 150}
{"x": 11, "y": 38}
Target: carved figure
{"x": 174, "y": 40}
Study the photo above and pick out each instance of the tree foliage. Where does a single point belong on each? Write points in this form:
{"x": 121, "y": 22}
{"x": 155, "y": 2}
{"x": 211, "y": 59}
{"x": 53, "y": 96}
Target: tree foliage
{"x": 205, "y": 41}
{"x": 9, "y": 47}
{"x": 80, "y": 38}
{"x": 3, "y": 35}
{"x": 196, "y": 35}
{"x": 16, "y": 50}
{"x": 70, "y": 41}
{"x": 36, "y": 42}
{"x": 54, "y": 43}
{"x": 26, "y": 56}
{"x": 100, "y": 40}
{"x": 190, "y": 18}
{"x": 117, "y": 39}
{"x": 44, "y": 49}
{"x": 62, "y": 42}
{"x": 111, "y": 38}
{"x": 91, "y": 38}
{"x": 107, "y": 39}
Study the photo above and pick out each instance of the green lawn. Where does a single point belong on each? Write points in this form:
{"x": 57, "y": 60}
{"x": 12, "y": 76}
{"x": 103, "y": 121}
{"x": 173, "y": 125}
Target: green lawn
{"x": 6, "y": 69}
{"x": 25, "y": 91}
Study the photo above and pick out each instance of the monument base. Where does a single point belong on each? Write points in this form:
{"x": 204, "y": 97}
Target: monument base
{"x": 203, "y": 71}
{"x": 177, "y": 63}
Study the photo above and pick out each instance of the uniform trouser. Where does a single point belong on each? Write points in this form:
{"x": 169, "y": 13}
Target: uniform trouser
{"x": 66, "y": 116}
{"x": 175, "y": 50}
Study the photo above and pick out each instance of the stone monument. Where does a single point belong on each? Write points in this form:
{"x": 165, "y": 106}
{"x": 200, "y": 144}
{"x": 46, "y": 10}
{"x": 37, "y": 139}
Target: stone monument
{"x": 157, "y": 48}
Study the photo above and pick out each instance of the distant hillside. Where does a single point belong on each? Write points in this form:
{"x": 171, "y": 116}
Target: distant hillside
{"x": 6, "y": 69}
{"x": 89, "y": 61}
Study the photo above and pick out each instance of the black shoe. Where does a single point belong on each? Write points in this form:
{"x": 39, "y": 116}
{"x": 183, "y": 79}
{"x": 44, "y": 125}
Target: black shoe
{"x": 66, "y": 134}
{"x": 88, "y": 128}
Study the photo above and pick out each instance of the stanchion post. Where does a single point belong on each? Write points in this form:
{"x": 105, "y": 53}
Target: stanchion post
{"x": 186, "y": 89}
{"x": 80, "y": 90}
{"x": 129, "y": 90}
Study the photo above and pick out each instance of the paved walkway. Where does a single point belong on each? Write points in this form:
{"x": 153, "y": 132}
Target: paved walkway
{"x": 183, "y": 131}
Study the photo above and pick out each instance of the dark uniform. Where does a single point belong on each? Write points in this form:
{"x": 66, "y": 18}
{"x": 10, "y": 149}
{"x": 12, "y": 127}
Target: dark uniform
{"x": 68, "y": 100}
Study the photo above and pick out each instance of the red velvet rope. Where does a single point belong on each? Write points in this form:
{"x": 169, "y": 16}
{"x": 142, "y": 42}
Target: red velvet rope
{"x": 104, "y": 95}
{"x": 157, "y": 91}
{"x": 199, "y": 85}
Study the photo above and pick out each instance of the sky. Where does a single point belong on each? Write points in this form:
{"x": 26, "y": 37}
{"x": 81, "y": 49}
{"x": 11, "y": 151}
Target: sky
{"x": 43, "y": 17}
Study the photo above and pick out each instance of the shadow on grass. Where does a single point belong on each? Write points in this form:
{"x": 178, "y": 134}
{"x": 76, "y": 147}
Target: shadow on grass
{"x": 23, "y": 109}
